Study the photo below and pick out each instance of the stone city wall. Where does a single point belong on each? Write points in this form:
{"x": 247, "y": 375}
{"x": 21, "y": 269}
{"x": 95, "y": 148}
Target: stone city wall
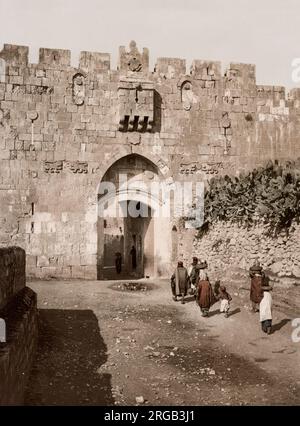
{"x": 61, "y": 127}
{"x": 18, "y": 310}
{"x": 228, "y": 247}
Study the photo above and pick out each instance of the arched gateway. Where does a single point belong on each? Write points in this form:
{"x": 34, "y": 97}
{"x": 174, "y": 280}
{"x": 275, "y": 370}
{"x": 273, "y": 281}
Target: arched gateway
{"x": 131, "y": 220}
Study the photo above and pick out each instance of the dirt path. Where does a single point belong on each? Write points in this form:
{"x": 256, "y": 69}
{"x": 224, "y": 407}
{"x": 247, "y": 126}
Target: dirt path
{"x": 102, "y": 346}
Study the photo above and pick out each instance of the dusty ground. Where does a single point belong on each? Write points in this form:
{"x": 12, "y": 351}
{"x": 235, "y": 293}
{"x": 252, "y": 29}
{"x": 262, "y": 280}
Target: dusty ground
{"x": 102, "y": 346}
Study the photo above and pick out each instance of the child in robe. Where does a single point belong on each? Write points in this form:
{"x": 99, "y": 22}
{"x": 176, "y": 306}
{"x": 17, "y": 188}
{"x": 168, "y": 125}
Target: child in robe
{"x": 225, "y": 299}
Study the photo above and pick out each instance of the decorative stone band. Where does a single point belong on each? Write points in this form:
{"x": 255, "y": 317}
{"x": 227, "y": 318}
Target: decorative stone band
{"x": 58, "y": 166}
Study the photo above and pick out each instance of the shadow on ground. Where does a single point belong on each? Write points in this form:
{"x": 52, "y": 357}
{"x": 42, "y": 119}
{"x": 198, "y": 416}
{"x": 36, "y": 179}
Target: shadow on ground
{"x": 279, "y": 325}
{"x": 234, "y": 312}
{"x": 70, "y": 351}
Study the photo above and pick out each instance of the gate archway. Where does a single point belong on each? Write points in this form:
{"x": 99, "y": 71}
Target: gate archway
{"x": 128, "y": 222}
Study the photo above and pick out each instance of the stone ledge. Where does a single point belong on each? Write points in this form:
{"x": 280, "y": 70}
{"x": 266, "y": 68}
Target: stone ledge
{"x": 16, "y": 355}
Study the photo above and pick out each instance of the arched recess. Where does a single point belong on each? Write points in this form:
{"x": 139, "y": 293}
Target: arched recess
{"x": 129, "y": 215}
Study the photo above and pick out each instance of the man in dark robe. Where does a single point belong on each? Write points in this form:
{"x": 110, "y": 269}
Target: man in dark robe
{"x": 194, "y": 274}
{"x": 118, "y": 262}
{"x": 180, "y": 282}
{"x": 133, "y": 257}
{"x": 257, "y": 280}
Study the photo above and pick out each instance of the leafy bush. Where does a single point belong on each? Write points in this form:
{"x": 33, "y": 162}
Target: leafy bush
{"x": 269, "y": 194}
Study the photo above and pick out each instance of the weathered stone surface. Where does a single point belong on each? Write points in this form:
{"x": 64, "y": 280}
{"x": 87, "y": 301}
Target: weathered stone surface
{"x": 276, "y": 267}
{"x": 228, "y": 246}
{"x": 86, "y": 118}
{"x": 18, "y": 309}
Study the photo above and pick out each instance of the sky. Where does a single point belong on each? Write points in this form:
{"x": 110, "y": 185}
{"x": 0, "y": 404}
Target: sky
{"x": 263, "y": 32}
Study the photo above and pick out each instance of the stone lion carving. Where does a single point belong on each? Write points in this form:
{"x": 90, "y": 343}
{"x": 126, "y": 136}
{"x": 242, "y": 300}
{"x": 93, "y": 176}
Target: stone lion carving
{"x": 187, "y": 95}
{"x": 78, "y": 89}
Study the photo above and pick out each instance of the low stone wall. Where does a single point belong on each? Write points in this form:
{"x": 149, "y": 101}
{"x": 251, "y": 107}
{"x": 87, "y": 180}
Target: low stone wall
{"x": 12, "y": 276}
{"x": 227, "y": 247}
{"x": 19, "y": 311}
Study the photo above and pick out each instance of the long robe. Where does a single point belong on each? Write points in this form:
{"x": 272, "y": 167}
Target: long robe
{"x": 118, "y": 263}
{"x": 180, "y": 279}
{"x": 205, "y": 295}
{"x": 256, "y": 292}
{"x": 194, "y": 274}
{"x": 265, "y": 307}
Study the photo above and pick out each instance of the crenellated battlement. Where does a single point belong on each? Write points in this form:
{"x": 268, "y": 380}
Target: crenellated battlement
{"x": 57, "y": 58}
{"x": 94, "y": 61}
{"x": 203, "y": 83}
{"x": 15, "y": 55}
{"x": 129, "y": 60}
{"x": 133, "y": 62}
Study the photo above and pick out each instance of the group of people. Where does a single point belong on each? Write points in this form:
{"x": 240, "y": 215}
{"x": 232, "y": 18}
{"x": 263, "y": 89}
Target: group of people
{"x": 195, "y": 281}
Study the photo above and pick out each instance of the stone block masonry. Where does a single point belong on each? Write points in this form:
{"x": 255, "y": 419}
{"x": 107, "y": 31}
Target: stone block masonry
{"x": 228, "y": 247}
{"x": 62, "y": 127}
{"x": 19, "y": 311}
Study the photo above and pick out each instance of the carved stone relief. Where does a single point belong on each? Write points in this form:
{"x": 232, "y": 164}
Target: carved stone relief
{"x": 207, "y": 168}
{"x": 4, "y": 117}
{"x": 226, "y": 131}
{"x": 74, "y": 166}
{"x": 134, "y": 139}
{"x": 53, "y": 166}
{"x": 164, "y": 169}
{"x": 78, "y": 89}
{"x": 133, "y": 61}
{"x": 226, "y": 122}
{"x": 187, "y": 95}
{"x": 77, "y": 166}
{"x": 38, "y": 90}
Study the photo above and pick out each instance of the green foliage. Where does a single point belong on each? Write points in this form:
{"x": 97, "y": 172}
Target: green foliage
{"x": 269, "y": 195}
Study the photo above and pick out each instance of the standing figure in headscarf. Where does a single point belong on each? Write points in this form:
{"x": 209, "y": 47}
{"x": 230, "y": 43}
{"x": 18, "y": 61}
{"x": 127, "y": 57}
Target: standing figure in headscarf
{"x": 205, "y": 295}
{"x": 193, "y": 272}
{"x": 180, "y": 282}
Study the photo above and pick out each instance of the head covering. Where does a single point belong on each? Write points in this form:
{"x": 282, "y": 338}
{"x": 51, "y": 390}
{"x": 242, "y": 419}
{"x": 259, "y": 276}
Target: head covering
{"x": 195, "y": 259}
{"x": 256, "y": 267}
{"x": 202, "y": 275}
{"x": 203, "y": 265}
{"x": 180, "y": 264}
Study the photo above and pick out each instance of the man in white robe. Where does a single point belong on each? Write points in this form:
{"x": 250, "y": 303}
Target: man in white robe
{"x": 265, "y": 312}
